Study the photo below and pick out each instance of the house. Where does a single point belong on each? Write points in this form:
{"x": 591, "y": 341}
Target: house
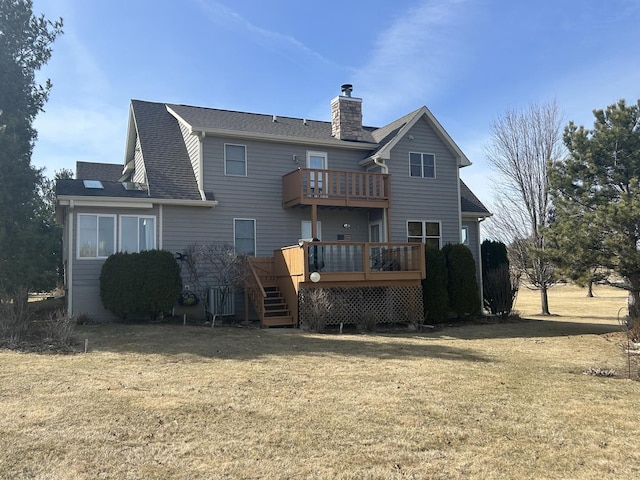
{"x": 369, "y": 197}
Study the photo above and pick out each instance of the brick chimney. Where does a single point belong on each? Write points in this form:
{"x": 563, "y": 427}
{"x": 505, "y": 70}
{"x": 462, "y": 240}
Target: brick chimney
{"x": 346, "y": 116}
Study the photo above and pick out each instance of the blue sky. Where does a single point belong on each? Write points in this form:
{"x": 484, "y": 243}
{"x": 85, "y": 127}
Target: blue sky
{"x": 468, "y": 61}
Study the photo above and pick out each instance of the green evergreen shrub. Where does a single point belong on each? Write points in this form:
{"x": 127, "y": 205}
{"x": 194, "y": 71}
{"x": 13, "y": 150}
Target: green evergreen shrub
{"x": 464, "y": 297}
{"x": 145, "y": 284}
{"x": 434, "y": 286}
{"x": 160, "y": 282}
{"x": 118, "y": 288}
{"x": 499, "y": 285}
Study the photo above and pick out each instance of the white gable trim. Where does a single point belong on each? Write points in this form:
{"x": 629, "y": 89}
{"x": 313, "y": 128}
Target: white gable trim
{"x": 424, "y": 112}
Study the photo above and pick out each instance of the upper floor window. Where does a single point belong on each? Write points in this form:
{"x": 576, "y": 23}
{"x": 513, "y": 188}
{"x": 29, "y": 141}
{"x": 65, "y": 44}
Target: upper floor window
{"x": 96, "y": 235}
{"x": 235, "y": 160}
{"x": 424, "y": 232}
{"x": 244, "y": 236}
{"x": 137, "y": 233}
{"x": 422, "y": 165}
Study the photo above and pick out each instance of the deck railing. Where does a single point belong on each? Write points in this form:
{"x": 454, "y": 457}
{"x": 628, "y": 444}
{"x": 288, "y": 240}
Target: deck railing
{"x": 307, "y": 186}
{"x": 362, "y": 261}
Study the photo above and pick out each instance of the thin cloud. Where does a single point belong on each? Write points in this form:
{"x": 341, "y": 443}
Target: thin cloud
{"x": 413, "y": 57}
{"x": 224, "y": 16}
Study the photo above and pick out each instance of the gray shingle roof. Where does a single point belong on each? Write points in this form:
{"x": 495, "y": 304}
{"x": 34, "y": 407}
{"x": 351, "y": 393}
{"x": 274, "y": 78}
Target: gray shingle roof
{"x": 253, "y": 123}
{"x": 169, "y": 171}
{"x": 469, "y": 203}
{"x": 76, "y": 188}
{"x": 98, "y": 171}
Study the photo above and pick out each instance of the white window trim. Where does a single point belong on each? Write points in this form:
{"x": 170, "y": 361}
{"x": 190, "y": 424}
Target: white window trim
{"x": 464, "y": 228}
{"x": 77, "y": 233}
{"x": 155, "y": 226}
{"x": 424, "y": 230}
{"x": 224, "y": 153}
{"x": 422, "y": 164}
{"x": 255, "y": 251}
{"x": 312, "y": 153}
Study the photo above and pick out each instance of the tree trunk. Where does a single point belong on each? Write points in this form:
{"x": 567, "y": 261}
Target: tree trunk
{"x": 590, "y": 289}
{"x": 544, "y": 301}
{"x": 633, "y": 300}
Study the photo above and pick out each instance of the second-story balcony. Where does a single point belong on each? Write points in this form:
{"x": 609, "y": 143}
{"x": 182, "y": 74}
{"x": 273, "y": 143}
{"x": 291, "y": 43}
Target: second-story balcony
{"x": 338, "y": 188}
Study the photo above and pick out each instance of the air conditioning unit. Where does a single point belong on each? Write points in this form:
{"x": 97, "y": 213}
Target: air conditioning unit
{"x": 216, "y": 297}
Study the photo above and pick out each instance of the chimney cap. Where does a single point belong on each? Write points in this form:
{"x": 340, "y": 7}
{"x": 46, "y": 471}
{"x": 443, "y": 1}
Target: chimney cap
{"x": 346, "y": 88}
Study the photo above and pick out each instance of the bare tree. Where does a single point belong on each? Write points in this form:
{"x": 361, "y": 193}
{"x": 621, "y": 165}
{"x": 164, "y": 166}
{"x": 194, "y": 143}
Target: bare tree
{"x": 215, "y": 265}
{"x": 523, "y": 144}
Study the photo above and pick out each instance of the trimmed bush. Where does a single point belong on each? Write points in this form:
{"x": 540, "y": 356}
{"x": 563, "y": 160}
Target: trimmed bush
{"x": 499, "y": 287}
{"x": 462, "y": 286}
{"x": 140, "y": 284}
{"x": 434, "y": 286}
{"x": 119, "y": 283}
{"x": 160, "y": 282}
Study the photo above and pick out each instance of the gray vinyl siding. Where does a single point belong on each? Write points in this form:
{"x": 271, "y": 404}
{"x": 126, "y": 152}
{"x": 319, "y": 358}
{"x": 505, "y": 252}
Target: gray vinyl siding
{"x": 427, "y": 199}
{"x": 139, "y": 174}
{"x": 193, "y": 150}
{"x": 474, "y": 238}
{"x": 259, "y": 195}
{"x": 86, "y": 272}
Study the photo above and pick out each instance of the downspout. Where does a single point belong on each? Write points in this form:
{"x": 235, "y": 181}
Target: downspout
{"x": 480, "y": 220}
{"x": 70, "y": 261}
{"x": 385, "y": 216}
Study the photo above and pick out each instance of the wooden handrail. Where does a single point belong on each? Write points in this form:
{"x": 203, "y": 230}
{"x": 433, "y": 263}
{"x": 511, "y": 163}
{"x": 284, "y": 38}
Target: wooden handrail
{"x": 335, "y": 187}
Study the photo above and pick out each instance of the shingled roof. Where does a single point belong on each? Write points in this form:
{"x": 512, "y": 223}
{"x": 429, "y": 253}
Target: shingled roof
{"x": 167, "y": 164}
{"x": 469, "y": 203}
{"x": 110, "y": 172}
{"x": 77, "y": 188}
{"x": 203, "y": 119}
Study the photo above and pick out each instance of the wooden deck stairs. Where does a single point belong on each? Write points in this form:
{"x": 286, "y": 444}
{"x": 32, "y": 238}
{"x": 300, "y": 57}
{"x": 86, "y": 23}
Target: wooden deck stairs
{"x": 265, "y": 295}
{"x": 275, "y": 313}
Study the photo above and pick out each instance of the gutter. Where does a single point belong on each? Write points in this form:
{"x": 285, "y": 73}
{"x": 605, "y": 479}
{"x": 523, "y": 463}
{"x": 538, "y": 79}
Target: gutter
{"x": 82, "y": 201}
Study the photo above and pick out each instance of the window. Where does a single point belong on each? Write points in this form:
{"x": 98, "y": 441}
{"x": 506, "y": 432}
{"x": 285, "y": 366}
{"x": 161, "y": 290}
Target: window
{"x": 96, "y": 236}
{"x": 464, "y": 235}
{"x": 305, "y": 230}
{"x": 137, "y": 233}
{"x": 424, "y": 232}
{"x": 235, "y": 160}
{"x": 244, "y": 236}
{"x": 422, "y": 165}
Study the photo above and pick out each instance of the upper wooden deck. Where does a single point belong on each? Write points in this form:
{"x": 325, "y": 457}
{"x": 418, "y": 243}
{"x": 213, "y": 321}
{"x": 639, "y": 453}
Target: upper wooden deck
{"x": 337, "y": 188}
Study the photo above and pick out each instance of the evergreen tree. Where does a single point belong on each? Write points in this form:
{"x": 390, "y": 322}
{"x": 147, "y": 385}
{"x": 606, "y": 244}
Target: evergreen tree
{"x": 25, "y": 227}
{"x": 462, "y": 286}
{"x": 434, "y": 286}
{"x": 596, "y": 194}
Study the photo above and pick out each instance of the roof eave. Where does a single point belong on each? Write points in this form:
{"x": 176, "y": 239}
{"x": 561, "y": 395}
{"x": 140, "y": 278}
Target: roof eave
{"x": 128, "y": 202}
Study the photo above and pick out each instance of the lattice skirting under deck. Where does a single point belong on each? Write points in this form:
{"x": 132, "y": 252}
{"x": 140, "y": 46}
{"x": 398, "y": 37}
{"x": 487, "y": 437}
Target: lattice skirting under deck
{"x": 335, "y": 305}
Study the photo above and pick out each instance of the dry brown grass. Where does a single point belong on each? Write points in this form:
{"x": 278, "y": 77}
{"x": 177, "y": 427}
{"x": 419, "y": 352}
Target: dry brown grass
{"x": 482, "y": 401}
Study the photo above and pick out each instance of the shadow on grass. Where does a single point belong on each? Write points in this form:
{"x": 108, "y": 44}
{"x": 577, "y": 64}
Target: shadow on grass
{"x": 527, "y": 328}
{"x": 251, "y": 343}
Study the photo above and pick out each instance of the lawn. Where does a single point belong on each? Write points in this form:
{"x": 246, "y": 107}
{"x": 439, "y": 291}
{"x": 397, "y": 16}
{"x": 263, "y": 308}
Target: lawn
{"x": 184, "y": 402}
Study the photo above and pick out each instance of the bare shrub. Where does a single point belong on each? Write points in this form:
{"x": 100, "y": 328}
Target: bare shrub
{"x": 368, "y": 321}
{"x": 15, "y": 317}
{"x": 58, "y": 327}
{"x": 319, "y": 307}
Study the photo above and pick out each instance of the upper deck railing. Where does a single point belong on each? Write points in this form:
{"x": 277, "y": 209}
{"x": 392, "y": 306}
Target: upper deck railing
{"x": 309, "y": 186}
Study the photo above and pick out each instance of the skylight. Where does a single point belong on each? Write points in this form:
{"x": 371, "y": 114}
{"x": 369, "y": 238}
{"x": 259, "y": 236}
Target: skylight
{"x": 92, "y": 184}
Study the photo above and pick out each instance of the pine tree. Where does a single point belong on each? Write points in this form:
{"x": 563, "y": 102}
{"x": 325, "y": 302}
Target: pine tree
{"x": 25, "y": 228}
{"x": 596, "y": 194}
